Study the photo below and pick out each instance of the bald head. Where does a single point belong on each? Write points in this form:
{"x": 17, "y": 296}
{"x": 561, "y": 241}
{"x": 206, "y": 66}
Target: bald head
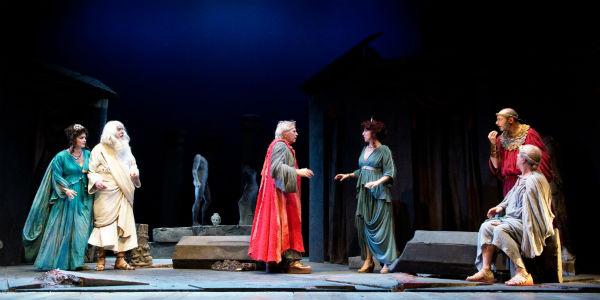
{"x": 507, "y": 113}
{"x": 507, "y": 120}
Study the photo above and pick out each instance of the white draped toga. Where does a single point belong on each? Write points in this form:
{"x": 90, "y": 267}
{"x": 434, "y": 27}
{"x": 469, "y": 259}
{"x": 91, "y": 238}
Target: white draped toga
{"x": 114, "y": 225}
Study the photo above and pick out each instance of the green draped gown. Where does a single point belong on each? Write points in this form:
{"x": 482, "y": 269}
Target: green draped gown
{"x": 374, "y": 214}
{"x": 57, "y": 228}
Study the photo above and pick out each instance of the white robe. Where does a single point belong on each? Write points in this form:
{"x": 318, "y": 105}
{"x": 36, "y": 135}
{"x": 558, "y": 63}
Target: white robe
{"x": 114, "y": 224}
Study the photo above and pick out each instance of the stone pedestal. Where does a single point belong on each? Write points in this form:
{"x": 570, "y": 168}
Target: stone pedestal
{"x": 165, "y": 238}
{"x": 447, "y": 253}
{"x": 200, "y": 252}
{"x": 140, "y": 256}
{"x": 205, "y": 230}
{"x": 162, "y": 250}
{"x": 170, "y": 234}
{"x": 548, "y": 266}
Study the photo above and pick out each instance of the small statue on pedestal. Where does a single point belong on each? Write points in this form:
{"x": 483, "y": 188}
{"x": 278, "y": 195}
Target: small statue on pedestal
{"x": 201, "y": 191}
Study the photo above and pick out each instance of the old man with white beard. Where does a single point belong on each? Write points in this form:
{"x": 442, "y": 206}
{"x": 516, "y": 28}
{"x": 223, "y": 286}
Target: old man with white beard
{"x": 113, "y": 177}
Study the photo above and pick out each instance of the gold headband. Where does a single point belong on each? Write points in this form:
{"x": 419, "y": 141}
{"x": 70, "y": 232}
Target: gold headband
{"x": 508, "y": 115}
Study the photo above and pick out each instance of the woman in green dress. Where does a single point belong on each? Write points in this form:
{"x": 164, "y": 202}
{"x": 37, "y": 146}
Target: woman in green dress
{"x": 60, "y": 220}
{"x": 374, "y": 216}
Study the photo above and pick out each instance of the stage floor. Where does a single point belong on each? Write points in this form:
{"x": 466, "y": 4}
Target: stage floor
{"x": 327, "y": 281}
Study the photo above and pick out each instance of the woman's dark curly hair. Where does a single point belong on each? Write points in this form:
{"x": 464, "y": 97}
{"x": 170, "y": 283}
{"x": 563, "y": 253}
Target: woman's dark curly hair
{"x": 73, "y": 131}
{"x": 377, "y": 128}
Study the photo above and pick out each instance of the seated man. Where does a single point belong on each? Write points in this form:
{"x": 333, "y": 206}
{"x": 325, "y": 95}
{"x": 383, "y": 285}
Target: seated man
{"x": 526, "y": 223}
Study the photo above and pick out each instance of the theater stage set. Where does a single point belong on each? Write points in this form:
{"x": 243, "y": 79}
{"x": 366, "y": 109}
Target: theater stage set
{"x": 214, "y": 78}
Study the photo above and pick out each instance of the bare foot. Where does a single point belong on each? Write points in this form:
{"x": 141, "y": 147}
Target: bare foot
{"x": 385, "y": 269}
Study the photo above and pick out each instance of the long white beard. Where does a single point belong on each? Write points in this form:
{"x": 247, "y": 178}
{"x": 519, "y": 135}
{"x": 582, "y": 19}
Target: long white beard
{"x": 124, "y": 155}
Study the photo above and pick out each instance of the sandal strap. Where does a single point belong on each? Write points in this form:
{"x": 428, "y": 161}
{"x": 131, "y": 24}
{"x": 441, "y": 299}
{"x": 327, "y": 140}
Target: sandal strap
{"x": 123, "y": 265}
{"x": 482, "y": 275}
{"x": 519, "y": 278}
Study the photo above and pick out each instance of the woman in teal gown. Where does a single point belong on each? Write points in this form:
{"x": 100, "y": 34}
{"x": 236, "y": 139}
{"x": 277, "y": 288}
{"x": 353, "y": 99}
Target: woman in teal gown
{"x": 374, "y": 214}
{"x": 60, "y": 220}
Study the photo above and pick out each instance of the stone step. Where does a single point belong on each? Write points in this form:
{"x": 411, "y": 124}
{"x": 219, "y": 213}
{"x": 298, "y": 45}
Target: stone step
{"x": 200, "y": 252}
{"x": 174, "y": 234}
{"x": 162, "y": 250}
{"x": 449, "y": 253}
{"x": 222, "y": 230}
{"x": 170, "y": 234}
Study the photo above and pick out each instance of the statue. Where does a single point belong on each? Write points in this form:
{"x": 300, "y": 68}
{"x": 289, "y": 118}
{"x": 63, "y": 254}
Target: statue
{"x": 215, "y": 219}
{"x": 247, "y": 202}
{"x": 202, "y": 191}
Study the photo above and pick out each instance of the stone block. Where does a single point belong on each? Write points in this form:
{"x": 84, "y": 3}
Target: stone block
{"x": 170, "y": 234}
{"x": 162, "y": 250}
{"x": 174, "y": 234}
{"x": 448, "y": 253}
{"x": 200, "y": 252}
{"x": 208, "y": 230}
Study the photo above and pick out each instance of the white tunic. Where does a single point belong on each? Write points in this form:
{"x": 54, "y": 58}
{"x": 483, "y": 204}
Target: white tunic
{"x": 114, "y": 224}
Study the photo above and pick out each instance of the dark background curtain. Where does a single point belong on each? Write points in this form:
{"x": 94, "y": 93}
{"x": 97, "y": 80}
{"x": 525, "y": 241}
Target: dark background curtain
{"x": 438, "y": 114}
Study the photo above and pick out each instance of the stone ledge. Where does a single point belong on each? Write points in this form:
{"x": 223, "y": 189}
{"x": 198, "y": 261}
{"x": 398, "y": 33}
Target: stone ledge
{"x": 174, "y": 234}
{"x": 161, "y": 250}
{"x": 170, "y": 234}
{"x": 201, "y": 251}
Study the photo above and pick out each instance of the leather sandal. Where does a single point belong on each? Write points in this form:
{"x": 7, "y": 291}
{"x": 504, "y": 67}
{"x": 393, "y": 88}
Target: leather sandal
{"x": 484, "y": 275}
{"x": 520, "y": 280}
{"x": 298, "y": 268}
{"x": 121, "y": 264}
{"x": 100, "y": 263}
{"x": 367, "y": 267}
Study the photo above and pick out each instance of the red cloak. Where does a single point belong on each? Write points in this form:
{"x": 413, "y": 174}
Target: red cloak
{"x": 507, "y": 169}
{"x": 277, "y": 224}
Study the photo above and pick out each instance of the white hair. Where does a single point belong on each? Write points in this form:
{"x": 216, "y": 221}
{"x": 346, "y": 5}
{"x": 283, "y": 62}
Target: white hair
{"x": 284, "y": 126}
{"x": 121, "y": 146}
{"x": 531, "y": 154}
{"x": 109, "y": 134}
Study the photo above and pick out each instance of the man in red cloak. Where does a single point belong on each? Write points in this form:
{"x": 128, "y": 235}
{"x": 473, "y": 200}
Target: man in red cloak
{"x": 505, "y": 148}
{"x": 277, "y": 227}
